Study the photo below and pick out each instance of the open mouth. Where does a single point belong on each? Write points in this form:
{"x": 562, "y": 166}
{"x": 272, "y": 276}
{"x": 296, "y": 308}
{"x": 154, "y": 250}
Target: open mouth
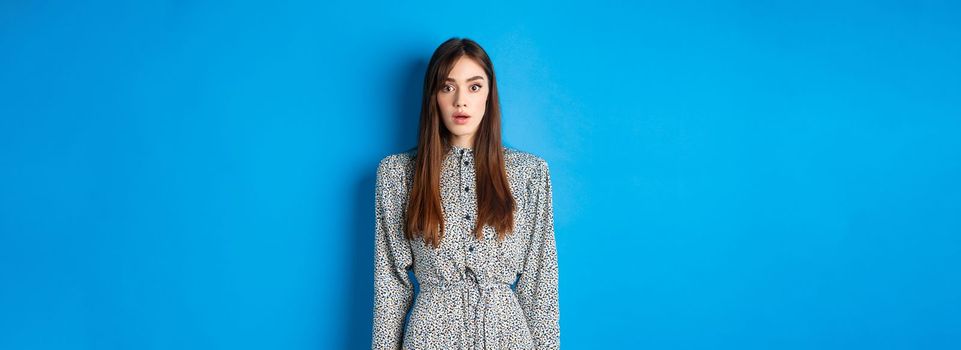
{"x": 461, "y": 118}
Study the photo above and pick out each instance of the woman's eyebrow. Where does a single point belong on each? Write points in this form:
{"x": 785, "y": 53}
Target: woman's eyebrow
{"x": 476, "y": 77}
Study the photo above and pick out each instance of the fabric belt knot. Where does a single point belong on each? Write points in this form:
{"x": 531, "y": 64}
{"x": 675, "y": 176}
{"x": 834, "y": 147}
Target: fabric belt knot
{"x": 486, "y": 320}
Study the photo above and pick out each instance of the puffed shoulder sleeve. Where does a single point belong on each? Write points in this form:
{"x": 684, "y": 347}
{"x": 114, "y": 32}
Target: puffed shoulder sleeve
{"x": 537, "y": 287}
{"x": 393, "y": 290}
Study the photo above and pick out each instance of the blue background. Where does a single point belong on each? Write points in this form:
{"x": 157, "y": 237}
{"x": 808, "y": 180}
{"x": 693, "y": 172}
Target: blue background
{"x": 730, "y": 175}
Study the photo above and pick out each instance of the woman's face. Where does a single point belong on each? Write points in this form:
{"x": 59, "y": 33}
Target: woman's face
{"x": 463, "y": 100}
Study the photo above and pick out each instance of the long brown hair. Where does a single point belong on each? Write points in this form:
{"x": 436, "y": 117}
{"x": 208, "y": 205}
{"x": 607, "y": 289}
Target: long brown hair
{"x": 495, "y": 204}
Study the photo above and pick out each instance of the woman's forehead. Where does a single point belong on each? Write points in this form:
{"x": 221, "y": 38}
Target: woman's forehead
{"x": 466, "y": 69}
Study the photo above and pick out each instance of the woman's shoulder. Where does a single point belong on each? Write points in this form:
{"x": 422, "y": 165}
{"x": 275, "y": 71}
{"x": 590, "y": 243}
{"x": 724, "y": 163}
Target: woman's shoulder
{"x": 526, "y": 167}
{"x": 514, "y": 159}
{"x": 396, "y": 162}
{"x": 403, "y": 156}
{"x": 517, "y": 158}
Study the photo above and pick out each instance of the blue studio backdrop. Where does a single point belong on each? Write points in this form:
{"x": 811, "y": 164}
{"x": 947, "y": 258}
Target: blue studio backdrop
{"x": 727, "y": 175}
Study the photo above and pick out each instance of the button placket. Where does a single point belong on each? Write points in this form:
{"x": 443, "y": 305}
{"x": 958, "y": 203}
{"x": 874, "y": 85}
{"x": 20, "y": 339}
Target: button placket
{"x": 466, "y": 171}
{"x": 465, "y": 180}
{"x": 467, "y": 175}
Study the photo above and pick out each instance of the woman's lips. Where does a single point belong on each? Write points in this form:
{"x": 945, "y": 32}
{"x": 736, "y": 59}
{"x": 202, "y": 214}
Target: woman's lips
{"x": 461, "y": 119}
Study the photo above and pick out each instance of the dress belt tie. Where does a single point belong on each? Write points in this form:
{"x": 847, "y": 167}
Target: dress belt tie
{"x": 486, "y": 320}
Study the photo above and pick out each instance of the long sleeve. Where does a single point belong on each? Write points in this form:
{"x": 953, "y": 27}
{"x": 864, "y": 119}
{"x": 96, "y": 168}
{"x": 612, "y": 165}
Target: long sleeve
{"x": 537, "y": 287}
{"x": 393, "y": 290}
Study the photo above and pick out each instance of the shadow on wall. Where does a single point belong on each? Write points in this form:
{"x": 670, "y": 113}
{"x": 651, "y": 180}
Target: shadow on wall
{"x": 359, "y": 313}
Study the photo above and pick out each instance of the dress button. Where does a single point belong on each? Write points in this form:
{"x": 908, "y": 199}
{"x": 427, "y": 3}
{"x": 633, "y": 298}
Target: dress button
{"x": 467, "y": 216}
{"x": 471, "y": 249}
{"x": 465, "y": 162}
{"x": 461, "y": 151}
{"x": 466, "y": 188}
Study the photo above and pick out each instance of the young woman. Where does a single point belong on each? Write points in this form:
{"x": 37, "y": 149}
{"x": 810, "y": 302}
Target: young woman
{"x": 472, "y": 217}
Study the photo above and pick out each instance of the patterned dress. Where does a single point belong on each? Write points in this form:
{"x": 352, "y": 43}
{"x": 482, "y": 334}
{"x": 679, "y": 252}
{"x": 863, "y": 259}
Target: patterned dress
{"x": 474, "y": 294}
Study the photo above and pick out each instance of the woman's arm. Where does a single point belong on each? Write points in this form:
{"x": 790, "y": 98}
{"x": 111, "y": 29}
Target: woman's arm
{"x": 537, "y": 287}
{"x": 393, "y": 291}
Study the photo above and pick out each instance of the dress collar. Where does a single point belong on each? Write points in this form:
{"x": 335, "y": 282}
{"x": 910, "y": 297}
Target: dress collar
{"x": 461, "y": 150}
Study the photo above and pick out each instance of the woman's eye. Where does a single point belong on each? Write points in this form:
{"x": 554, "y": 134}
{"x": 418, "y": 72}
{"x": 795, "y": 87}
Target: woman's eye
{"x": 448, "y": 88}
{"x": 477, "y": 86}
